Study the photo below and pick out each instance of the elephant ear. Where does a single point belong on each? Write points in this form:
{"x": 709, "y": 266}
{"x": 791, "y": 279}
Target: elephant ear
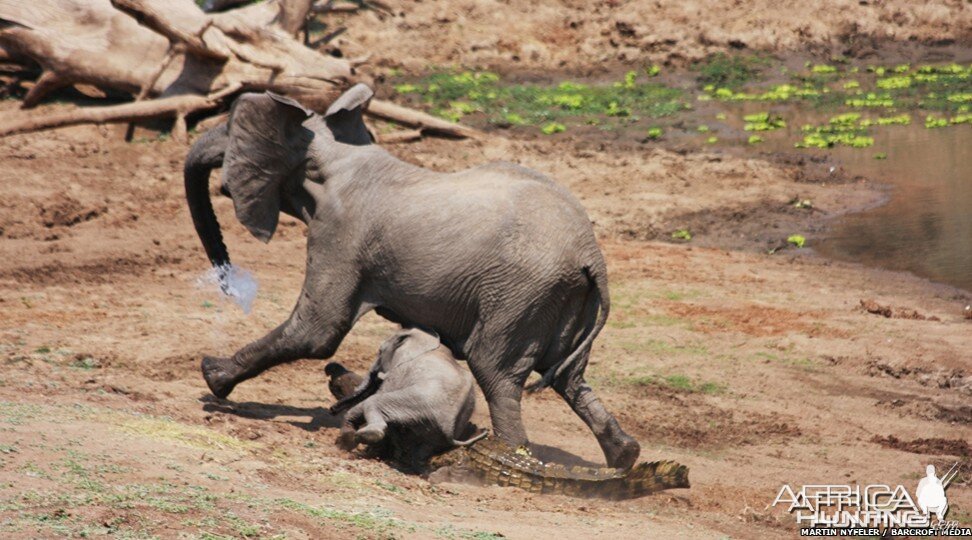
{"x": 415, "y": 342}
{"x": 266, "y": 144}
{"x": 344, "y": 116}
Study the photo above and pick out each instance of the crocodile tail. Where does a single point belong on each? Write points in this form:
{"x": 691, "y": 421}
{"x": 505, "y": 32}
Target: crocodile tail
{"x": 652, "y": 477}
{"x": 616, "y": 484}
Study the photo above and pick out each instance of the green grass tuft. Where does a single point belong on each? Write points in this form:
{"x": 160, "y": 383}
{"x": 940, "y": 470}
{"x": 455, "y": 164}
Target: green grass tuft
{"x": 729, "y": 71}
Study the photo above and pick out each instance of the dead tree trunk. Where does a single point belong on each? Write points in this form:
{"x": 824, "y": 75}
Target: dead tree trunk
{"x": 293, "y": 15}
{"x": 161, "y": 49}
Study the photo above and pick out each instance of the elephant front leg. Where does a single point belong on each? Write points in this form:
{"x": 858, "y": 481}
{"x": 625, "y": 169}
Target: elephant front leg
{"x": 310, "y": 332}
{"x": 503, "y": 392}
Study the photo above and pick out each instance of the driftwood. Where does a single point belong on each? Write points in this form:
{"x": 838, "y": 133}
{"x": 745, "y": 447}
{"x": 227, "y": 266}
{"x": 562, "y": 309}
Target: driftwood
{"x": 293, "y": 15}
{"x": 417, "y": 119}
{"x": 174, "y": 59}
{"x": 127, "y": 112}
{"x": 405, "y": 135}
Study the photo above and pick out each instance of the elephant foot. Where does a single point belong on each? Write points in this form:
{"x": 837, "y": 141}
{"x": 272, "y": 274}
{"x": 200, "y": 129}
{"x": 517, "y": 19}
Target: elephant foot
{"x": 215, "y": 372}
{"x": 345, "y": 441}
{"x": 370, "y": 434}
{"x": 624, "y": 454}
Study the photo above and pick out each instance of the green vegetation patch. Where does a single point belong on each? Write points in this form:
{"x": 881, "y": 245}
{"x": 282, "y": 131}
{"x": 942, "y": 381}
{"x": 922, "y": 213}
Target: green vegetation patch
{"x": 184, "y": 434}
{"x": 843, "y": 129}
{"x": 377, "y": 520}
{"x": 682, "y": 234}
{"x": 779, "y": 92}
{"x": 763, "y": 122}
{"x": 878, "y": 95}
{"x": 939, "y": 88}
{"x": 729, "y": 71}
{"x": 679, "y": 382}
{"x": 553, "y": 107}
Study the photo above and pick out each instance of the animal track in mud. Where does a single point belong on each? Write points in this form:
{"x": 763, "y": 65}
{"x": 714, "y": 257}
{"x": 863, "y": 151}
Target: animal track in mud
{"x": 920, "y": 408}
{"x": 933, "y": 445}
{"x": 954, "y": 379}
{"x": 754, "y": 320}
{"x": 45, "y": 219}
{"x": 686, "y": 420}
{"x": 95, "y": 272}
{"x": 961, "y": 415}
{"x": 886, "y": 311}
{"x": 63, "y": 210}
{"x": 755, "y": 226}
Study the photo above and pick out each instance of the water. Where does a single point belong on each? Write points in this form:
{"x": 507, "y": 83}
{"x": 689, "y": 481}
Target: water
{"x": 926, "y": 226}
{"x": 232, "y": 282}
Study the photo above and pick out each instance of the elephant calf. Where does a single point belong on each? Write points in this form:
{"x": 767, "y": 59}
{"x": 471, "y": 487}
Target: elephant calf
{"x": 417, "y": 400}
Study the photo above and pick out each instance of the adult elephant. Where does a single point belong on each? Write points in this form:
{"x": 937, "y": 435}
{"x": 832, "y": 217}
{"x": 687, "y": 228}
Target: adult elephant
{"x": 498, "y": 260}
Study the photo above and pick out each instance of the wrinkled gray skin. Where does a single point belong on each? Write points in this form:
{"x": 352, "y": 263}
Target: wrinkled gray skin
{"x": 498, "y": 260}
{"x": 421, "y": 404}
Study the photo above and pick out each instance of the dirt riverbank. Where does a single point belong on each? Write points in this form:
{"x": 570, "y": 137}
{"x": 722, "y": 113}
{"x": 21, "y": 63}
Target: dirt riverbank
{"x": 755, "y": 370}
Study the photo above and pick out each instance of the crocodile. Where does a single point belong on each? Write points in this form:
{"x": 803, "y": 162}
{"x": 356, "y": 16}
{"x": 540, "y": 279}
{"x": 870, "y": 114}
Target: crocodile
{"x": 491, "y": 461}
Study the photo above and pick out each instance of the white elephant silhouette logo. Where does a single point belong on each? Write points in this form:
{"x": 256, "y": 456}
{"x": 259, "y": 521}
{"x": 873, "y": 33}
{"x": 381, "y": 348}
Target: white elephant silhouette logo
{"x": 931, "y": 491}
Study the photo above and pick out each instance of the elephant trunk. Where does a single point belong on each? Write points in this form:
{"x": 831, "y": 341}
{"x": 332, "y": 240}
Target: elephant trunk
{"x": 207, "y": 154}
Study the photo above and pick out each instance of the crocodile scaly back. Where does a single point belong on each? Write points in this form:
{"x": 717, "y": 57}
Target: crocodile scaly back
{"x": 496, "y": 463}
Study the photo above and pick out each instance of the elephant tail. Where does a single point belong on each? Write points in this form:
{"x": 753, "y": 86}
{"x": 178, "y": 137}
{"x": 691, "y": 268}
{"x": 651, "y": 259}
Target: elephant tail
{"x": 600, "y": 301}
{"x": 204, "y": 156}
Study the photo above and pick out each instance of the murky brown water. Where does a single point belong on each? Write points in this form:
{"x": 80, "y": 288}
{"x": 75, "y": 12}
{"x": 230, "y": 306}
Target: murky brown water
{"x": 926, "y": 225}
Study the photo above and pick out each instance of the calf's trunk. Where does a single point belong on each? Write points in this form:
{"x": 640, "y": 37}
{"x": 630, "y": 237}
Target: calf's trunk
{"x": 204, "y": 156}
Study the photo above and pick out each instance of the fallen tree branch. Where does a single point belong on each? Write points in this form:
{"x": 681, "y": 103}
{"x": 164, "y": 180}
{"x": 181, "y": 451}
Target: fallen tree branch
{"x": 128, "y": 112}
{"x": 93, "y": 42}
{"x": 45, "y": 84}
{"x": 335, "y": 7}
{"x": 327, "y": 38}
{"x": 293, "y": 15}
{"x": 418, "y": 119}
{"x": 405, "y": 135}
{"x": 194, "y": 60}
{"x": 179, "y": 22}
{"x": 174, "y": 48}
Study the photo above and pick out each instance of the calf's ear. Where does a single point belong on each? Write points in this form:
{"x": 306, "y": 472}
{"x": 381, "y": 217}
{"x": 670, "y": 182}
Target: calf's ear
{"x": 267, "y": 142}
{"x": 414, "y": 343}
{"x": 345, "y": 116}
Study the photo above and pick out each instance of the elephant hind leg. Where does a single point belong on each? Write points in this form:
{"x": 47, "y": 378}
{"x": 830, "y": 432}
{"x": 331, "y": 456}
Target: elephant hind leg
{"x": 620, "y": 449}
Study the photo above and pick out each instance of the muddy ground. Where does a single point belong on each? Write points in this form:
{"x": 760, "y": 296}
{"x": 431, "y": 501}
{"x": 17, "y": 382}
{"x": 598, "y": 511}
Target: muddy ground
{"x": 753, "y": 369}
